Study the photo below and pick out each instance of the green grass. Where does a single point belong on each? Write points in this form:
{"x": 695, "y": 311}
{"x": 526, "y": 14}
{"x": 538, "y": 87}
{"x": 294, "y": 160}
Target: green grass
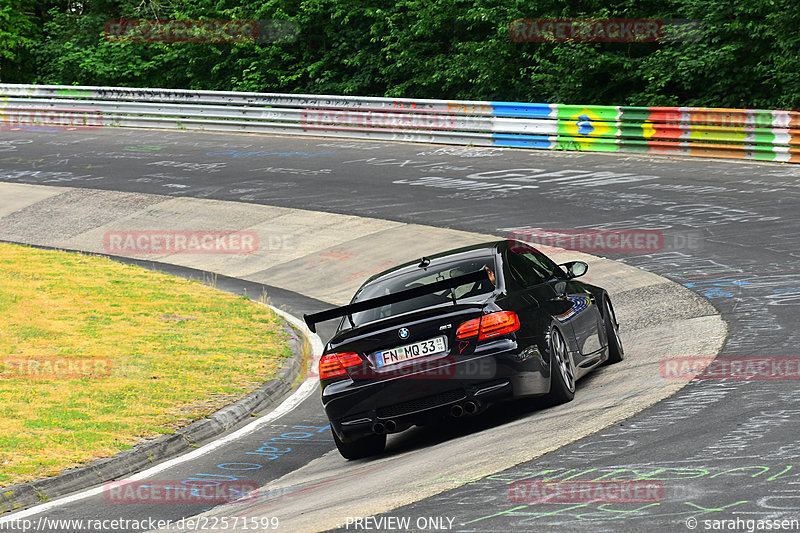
{"x": 154, "y": 353}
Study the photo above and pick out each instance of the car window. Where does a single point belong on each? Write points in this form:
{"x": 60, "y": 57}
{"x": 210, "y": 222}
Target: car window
{"x": 417, "y": 278}
{"x": 531, "y": 267}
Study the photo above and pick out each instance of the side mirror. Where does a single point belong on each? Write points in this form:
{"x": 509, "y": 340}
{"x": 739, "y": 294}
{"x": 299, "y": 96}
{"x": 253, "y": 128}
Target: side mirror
{"x": 575, "y": 269}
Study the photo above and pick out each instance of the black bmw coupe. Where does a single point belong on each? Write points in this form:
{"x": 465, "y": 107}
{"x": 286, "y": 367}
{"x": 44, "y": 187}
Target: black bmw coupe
{"x": 450, "y": 334}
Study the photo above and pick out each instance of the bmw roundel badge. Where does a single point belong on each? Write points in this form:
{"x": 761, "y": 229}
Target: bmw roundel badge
{"x": 403, "y": 333}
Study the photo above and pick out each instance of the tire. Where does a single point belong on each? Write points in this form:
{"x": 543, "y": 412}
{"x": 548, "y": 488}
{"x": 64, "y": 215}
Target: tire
{"x": 615, "y": 351}
{"x": 363, "y": 447}
{"x": 562, "y": 370}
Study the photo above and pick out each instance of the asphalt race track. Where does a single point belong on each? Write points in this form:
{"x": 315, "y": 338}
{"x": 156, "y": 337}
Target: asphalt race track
{"x": 326, "y": 256}
{"x": 721, "y": 448}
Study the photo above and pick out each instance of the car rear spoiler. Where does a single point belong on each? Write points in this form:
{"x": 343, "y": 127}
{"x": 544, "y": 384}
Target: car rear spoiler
{"x": 380, "y": 301}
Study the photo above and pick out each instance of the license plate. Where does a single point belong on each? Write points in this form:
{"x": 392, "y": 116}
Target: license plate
{"x": 410, "y": 351}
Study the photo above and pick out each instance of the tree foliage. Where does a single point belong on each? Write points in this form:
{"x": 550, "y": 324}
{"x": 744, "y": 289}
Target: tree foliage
{"x": 746, "y": 55}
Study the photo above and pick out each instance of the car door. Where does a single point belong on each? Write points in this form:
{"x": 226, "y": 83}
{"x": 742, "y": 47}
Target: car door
{"x": 586, "y": 319}
{"x": 567, "y": 300}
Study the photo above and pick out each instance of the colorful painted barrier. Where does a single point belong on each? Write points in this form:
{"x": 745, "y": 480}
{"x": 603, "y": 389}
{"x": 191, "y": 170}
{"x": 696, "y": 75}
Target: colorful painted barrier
{"x": 758, "y": 134}
{"x": 710, "y": 132}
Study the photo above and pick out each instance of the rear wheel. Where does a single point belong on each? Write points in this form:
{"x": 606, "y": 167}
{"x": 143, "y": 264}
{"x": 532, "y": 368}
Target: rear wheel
{"x": 360, "y": 448}
{"x": 615, "y": 351}
{"x": 562, "y": 371}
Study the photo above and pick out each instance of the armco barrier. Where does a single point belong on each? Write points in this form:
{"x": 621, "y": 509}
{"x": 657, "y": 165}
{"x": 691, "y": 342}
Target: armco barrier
{"x": 712, "y": 132}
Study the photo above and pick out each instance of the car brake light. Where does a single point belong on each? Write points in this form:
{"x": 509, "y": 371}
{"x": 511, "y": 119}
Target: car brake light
{"x": 487, "y": 326}
{"x": 468, "y": 329}
{"x": 333, "y": 364}
{"x": 498, "y": 324}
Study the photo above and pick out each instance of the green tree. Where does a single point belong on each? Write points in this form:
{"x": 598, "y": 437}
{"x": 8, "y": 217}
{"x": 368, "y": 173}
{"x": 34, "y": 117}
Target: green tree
{"x": 18, "y": 35}
{"x": 746, "y": 54}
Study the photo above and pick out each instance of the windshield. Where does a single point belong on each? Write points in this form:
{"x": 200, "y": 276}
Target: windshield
{"x": 418, "y": 278}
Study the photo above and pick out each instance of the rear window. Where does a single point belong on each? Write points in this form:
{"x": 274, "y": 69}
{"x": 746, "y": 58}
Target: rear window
{"x": 417, "y": 278}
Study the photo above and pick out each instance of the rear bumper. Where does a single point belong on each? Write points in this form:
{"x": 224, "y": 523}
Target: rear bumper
{"x": 498, "y": 372}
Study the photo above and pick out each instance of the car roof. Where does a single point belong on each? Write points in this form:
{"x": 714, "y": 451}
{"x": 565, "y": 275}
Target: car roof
{"x": 474, "y": 251}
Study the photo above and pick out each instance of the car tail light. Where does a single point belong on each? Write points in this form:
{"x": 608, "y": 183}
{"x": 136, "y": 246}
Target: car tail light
{"x": 488, "y": 326}
{"x": 468, "y": 329}
{"x": 333, "y": 364}
{"x": 498, "y": 324}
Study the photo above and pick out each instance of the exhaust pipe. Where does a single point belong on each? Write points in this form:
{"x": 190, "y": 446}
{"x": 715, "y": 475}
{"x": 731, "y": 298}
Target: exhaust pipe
{"x": 378, "y": 428}
{"x": 456, "y": 411}
{"x": 390, "y": 426}
{"x": 470, "y": 408}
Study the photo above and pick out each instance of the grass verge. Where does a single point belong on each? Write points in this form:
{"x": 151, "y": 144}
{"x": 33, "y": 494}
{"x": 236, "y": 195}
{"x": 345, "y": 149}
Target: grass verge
{"x": 96, "y": 356}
